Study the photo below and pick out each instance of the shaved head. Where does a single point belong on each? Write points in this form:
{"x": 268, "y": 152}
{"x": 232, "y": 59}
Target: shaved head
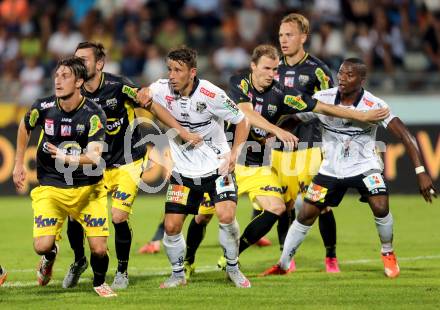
{"x": 360, "y": 66}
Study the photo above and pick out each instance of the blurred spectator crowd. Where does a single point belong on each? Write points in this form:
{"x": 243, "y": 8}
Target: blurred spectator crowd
{"x": 398, "y": 39}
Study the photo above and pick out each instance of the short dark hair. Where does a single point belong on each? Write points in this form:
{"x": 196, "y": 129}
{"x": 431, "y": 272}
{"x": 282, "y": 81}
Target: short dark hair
{"x": 184, "y": 55}
{"x": 98, "y": 49}
{"x": 264, "y": 50}
{"x": 75, "y": 64}
{"x": 360, "y": 64}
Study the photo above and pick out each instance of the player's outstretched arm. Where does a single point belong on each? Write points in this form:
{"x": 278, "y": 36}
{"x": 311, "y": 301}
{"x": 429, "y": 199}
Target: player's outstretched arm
{"x": 92, "y": 156}
{"x": 398, "y": 129}
{"x": 257, "y": 120}
{"x": 165, "y": 117}
{"x": 19, "y": 173}
{"x": 367, "y": 117}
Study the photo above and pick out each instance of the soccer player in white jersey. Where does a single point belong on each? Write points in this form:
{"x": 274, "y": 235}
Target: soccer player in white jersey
{"x": 202, "y": 108}
{"x": 351, "y": 161}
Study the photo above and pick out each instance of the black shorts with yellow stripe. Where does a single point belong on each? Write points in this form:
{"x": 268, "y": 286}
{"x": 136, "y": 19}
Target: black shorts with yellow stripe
{"x": 184, "y": 195}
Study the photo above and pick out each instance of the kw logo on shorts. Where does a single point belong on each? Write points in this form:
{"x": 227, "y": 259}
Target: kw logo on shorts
{"x": 269, "y": 188}
{"x": 121, "y": 195}
{"x": 94, "y": 222}
{"x": 316, "y": 193}
{"x": 177, "y": 194}
{"x": 45, "y": 222}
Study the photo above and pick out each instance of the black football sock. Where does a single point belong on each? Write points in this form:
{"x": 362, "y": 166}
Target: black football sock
{"x": 255, "y": 213}
{"x": 282, "y": 228}
{"x": 99, "y": 266}
{"x": 256, "y": 229}
{"x": 196, "y": 233}
{"x": 123, "y": 237}
{"x": 327, "y": 227}
{"x": 52, "y": 253}
{"x": 75, "y": 233}
{"x": 158, "y": 235}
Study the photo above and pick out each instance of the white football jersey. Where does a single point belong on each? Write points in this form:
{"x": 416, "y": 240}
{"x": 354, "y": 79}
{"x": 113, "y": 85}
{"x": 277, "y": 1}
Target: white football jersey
{"x": 349, "y": 147}
{"x": 203, "y": 112}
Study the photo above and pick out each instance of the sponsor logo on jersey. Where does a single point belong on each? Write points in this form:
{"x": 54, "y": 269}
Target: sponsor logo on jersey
{"x": 113, "y": 125}
{"x": 295, "y": 102}
{"x": 207, "y": 92}
{"x": 290, "y": 72}
{"x": 177, "y": 194}
{"x": 47, "y": 105}
{"x": 185, "y": 115}
{"x": 66, "y": 120}
{"x": 289, "y": 81}
{"x": 231, "y": 106}
{"x": 131, "y": 92}
{"x": 200, "y": 107}
{"x": 94, "y": 221}
{"x": 72, "y": 148}
{"x": 316, "y": 193}
{"x": 322, "y": 78}
{"x": 45, "y": 222}
{"x": 95, "y": 125}
{"x": 49, "y": 127}
{"x": 258, "y": 108}
{"x": 259, "y": 99}
{"x": 272, "y": 109}
{"x": 66, "y": 130}
{"x": 303, "y": 79}
{"x": 33, "y": 117}
{"x": 244, "y": 86}
{"x": 368, "y": 102}
{"x": 111, "y": 103}
{"x": 269, "y": 188}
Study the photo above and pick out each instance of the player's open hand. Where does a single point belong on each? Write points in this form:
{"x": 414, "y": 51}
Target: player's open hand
{"x": 144, "y": 97}
{"x": 19, "y": 176}
{"x": 289, "y": 140}
{"x": 376, "y": 115}
{"x": 227, "y": 165}
{"x": 426, "y": 187}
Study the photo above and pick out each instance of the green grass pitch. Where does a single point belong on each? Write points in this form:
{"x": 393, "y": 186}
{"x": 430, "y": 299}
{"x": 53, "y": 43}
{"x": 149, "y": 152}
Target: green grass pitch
{"x": 361, "y": 285}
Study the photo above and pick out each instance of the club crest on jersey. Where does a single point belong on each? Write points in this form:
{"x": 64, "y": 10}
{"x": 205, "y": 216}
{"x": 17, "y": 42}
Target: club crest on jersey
{"x": 289, "y": 81}
{"x": 272, "y": 109}
{"x": 207, "y": 92}
{"x": 66, "y": 130}
{"x": 295, "y": 102}
{"x": 80, "y": 128}
{"x": 368, "y": 102}
{"x": 111, "y": 103}
{"x": 49, "y": 127}
{"x": 200, "y": 107}
{"x": 303, "y": 79}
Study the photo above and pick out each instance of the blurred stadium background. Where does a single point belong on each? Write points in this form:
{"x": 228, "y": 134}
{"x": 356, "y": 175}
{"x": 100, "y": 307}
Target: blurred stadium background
{"x": 398, "y": 39}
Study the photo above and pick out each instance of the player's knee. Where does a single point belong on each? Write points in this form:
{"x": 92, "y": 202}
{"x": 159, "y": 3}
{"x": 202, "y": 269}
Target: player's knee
{"x": 42, "y": 247}
{"x": 380, "y": 209}
{"x": 172, "y": 229}
{"x": 119, "y": 216}
{"x": 308, "y": 214}
{"x": 99, "y": 250}
{"x": 203, "y": 219}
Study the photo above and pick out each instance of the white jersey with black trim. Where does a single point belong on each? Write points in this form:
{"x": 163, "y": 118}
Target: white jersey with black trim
{"x": 349, "y": 147}
{"x": 203, "y": 112}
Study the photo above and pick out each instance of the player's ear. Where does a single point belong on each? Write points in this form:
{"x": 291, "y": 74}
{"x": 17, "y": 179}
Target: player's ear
{"x": 193, "y": 72}
{"x": 253, "y": 65}
{"x": 100, "y": 65}
{"x": 79, "y": 83}
{"x": 303, "y": 38}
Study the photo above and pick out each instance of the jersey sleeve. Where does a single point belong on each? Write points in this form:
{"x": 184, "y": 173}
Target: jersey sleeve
{"x": 225, "y": 108}
{"x": 238, "y": 90}
{"x": 306, "y": 116}
{"x": 97, "y": 122}
{"x": 384, "y": 123}
{"x": 296, "y": 102}
{"x": 33, "y": 117}
{"x": 156, "y": 89}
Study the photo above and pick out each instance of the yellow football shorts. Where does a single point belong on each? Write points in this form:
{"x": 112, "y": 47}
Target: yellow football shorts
{"x": 86, "y": 204}
{"x": 295, "y": 170}
{"x": 122, "y": 182}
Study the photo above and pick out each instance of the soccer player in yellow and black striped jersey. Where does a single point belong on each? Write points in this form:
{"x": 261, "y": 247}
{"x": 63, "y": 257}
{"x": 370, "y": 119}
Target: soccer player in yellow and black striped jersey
{"x": 298, "y": 70}
{"x": 69, "y": 171}
{"x": 118, "y": 97}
